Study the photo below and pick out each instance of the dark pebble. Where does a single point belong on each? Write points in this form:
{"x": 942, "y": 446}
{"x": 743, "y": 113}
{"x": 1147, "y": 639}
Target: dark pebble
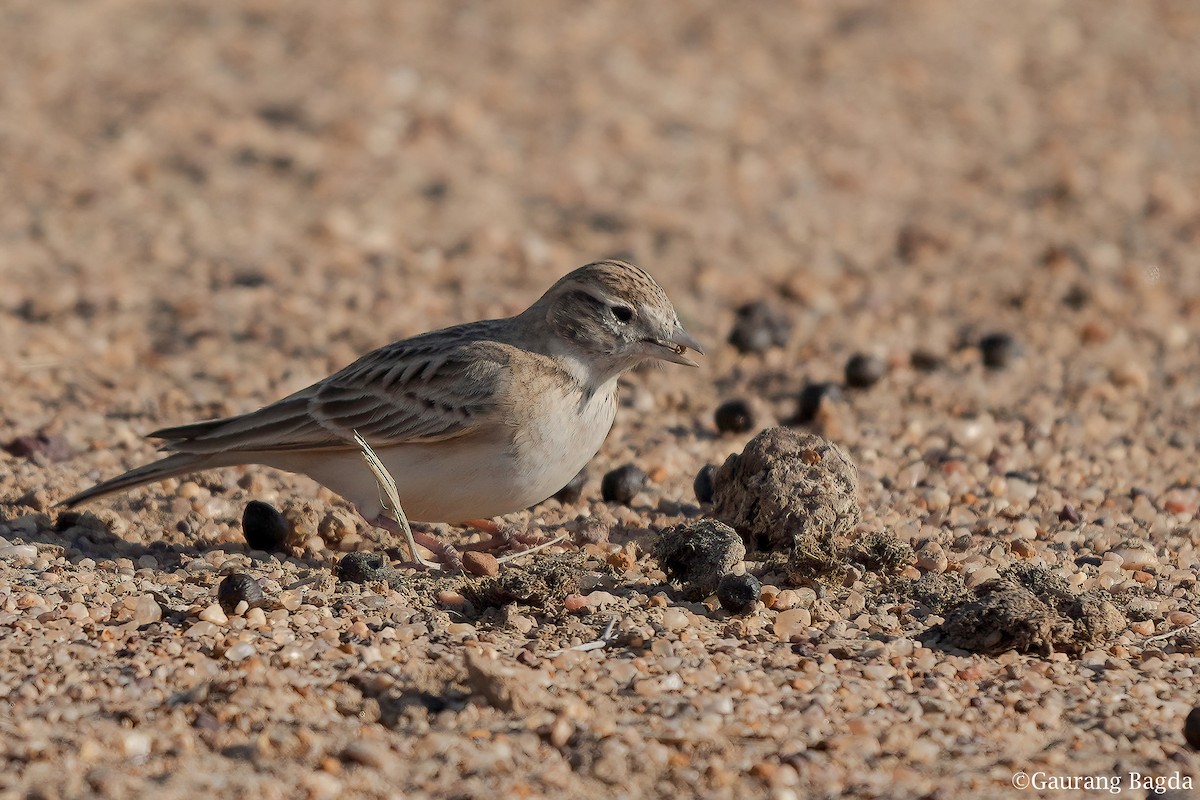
{"x": 235, "y": 588}
{"x": 622, "y": 484}
{"x": 1191, "y": 728}
{"x": 810, "y": 399}
{"x": 759, "y": 327}
{"x": 364, "y": 567}
{"x": 1069, "y": 514}
{"x": 40, "y": 448}
{"x": 738, "y": 593}
{"x": 925, "y": 361}
{"x": 263, "y": 526}
{"x": 703, "y": 485}
{"x": 998, "y": 349}
{"x": 864, "y": 371}
{"x": 734, "y": 416}
{"x": 573, "y": 490}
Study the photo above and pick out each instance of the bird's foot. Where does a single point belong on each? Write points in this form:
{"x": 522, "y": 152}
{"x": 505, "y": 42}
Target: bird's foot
{"x": 502, "y": 535}
{"x": 445, "y": 557}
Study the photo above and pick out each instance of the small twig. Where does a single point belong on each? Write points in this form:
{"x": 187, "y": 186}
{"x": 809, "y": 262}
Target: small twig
{"x": 1169, "y": 634}
{"x": 314, "y": 578}
{"x": 534, "y": 549}
{"x": 597, "y": 644}
{"x": 391, "y": 501}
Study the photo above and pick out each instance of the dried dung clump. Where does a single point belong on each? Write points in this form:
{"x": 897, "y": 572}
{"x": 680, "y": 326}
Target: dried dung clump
{"x": 544, "y": 582}
{"x": 1030, "y": 610}
{"x": 883, "y": 552}
{"x": 365, "y": 567}
{"x": 696, "y": 554}
{"x": 791, "y": 491}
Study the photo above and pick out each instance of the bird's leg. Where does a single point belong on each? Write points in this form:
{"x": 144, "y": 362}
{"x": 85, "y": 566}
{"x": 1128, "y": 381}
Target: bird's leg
{"x": 447, "y": 557}
{"x": 503, "y": 534}
{"x": 387, "y": 487}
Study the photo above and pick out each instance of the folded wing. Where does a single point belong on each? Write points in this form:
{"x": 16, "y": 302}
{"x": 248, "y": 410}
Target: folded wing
{"x": 412, "y": 391}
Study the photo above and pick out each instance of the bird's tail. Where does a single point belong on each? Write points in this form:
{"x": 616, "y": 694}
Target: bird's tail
{"x": 169, "y": 467}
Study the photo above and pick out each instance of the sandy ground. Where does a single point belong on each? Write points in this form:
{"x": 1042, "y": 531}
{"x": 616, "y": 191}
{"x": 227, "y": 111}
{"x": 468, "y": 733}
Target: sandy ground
{"x": 206, "y": 206}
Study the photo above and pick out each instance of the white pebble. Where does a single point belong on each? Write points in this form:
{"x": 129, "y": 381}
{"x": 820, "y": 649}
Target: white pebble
{"x": 14, "y": 551}
{"x": 214, "y": 614}
{"x": 792, "y": 623}
{"x": 674, "y": 619}
{"x": 1137, "y": 558}
{"x": 240, "y": 651}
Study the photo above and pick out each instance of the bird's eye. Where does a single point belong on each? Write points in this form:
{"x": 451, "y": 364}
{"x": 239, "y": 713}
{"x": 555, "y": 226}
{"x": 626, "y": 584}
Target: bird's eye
{"x": 622, "y": 313}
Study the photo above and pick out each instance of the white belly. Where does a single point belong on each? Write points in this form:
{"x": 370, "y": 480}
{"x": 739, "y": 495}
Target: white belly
{"x": 472, "y": 477}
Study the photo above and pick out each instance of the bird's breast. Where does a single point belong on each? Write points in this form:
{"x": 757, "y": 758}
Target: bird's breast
{"x": 564, "y": 432}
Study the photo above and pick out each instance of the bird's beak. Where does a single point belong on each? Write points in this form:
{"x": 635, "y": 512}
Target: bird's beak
{"x": 674, "y": 346}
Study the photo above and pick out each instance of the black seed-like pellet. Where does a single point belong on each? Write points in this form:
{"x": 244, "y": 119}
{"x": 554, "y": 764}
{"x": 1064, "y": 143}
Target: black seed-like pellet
{"x": 925, "y": 360}
{"x": 1191, "y": 728}
{"x": 263, "y": 526}
{"x": 622, "y": 484}
{"x": 235, "y": 588}
{"x": 573, "y": 490}
{"x": 734, "y": 416}
{"x": 703, "y": 485}
{"x": 738, "y": 593}
{"x": 810, "y": 399}
{"x": 759, "y": 327}
{"x": 998, "y": 350}
{"x": 864, "y": 371}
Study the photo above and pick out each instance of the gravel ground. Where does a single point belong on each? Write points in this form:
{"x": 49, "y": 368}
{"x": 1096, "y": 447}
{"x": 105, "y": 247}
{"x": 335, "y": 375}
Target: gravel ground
{"x": 207, "y": 206}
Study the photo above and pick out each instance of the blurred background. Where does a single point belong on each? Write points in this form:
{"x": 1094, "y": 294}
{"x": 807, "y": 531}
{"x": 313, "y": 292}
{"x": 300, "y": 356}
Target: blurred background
{"x": 210, "y": 204}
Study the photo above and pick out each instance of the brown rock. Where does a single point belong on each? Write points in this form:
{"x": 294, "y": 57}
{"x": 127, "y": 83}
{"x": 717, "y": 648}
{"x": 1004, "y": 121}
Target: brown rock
{"x": 478, "y": 563}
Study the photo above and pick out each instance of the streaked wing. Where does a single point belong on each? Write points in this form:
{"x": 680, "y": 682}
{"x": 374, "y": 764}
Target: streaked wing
{"x": 426, "y": 389}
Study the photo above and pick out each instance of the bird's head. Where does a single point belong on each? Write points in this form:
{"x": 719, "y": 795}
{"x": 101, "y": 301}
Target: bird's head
{"x": 615, "y": 316}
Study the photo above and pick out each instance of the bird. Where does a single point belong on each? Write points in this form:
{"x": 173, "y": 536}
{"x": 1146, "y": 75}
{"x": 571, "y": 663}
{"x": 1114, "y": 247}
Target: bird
{"x": 473, "y": 421}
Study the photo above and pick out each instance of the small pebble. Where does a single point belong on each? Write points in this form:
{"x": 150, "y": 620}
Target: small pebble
{"x": 998, "y": 350}
{"x": 214, "y": 614}
{"x": 675, "y": 619}
{"x": 15, "y": 551}
{"x": 238, "y": 588}
{"x": 808, "y": 404}
{"x": 146, "y": 610}
{"x": 263, "y": 526}
{"x": 240, "y": 651}
{"x": 1069, "y": 514}
{"x": 1134, "y": 558}
{"x": 864, "y": 371}
{"x": 575, "y": 602}
{"x": 734, "y": 416}
{"x": 1191, "y": 728}
{"x": 479, "y": 563}
{"x": 1142, "y": 627}
{"x": 573, "y": 491}
{"x": 792, "y": 623}
{"x": 931, "y": 558}
{"x": 623, "y": 484}
{"x": 738, "y": 593}
{"x": 759, "y": 327}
